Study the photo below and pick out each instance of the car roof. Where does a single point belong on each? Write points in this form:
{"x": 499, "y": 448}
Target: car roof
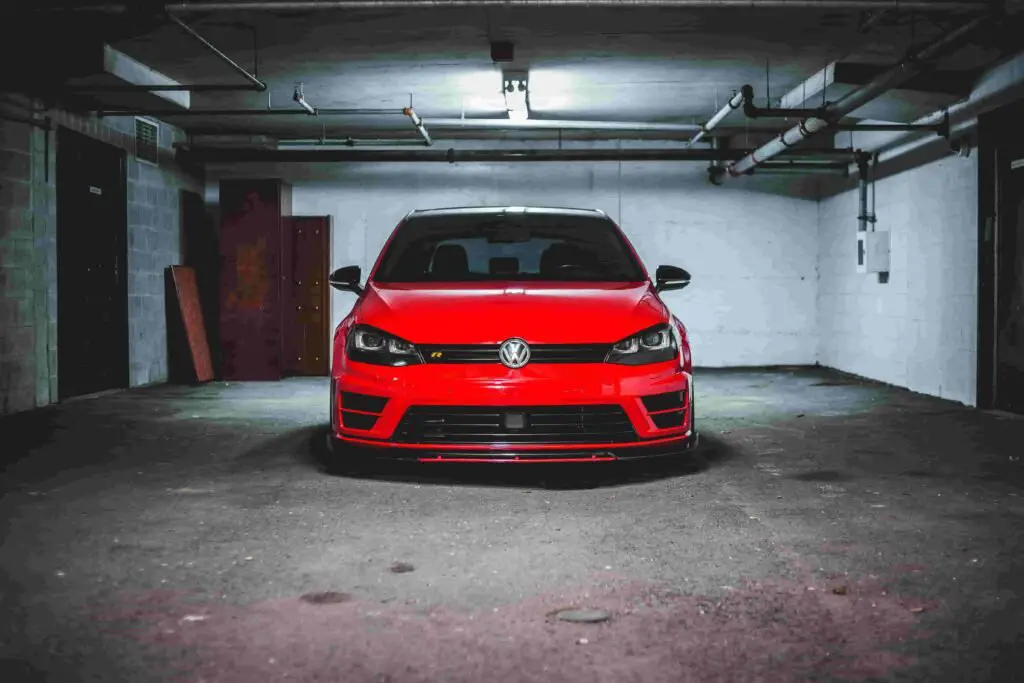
{"x": 507, "y": 210}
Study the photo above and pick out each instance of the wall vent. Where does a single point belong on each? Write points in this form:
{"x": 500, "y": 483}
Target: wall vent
{"x": 147, "y": 136}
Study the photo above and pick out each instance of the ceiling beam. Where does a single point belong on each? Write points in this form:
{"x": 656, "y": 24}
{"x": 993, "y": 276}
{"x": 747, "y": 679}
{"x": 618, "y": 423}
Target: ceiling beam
{"x": 955, "y": 83}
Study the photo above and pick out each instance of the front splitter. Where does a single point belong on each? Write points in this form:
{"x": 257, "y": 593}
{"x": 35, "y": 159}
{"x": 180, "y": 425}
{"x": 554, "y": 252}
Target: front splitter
{"x": 361, "y": 452}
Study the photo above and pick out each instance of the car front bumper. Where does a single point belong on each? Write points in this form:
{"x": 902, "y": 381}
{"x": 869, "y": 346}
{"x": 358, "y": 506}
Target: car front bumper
{"x": 578, "y": 395}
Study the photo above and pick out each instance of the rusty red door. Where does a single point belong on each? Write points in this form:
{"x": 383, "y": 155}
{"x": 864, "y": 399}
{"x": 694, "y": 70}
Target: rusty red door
{"x": 306, "y": 256}
{"x": 250, "y": 295}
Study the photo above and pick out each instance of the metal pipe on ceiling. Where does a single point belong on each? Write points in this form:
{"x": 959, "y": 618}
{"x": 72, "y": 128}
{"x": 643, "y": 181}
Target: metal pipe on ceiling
{"x": 313, "y": 5}
{"x": 417, "y": 122}
{"x": 171, "y": 113}
{"x": 734, "y": 102}
{"x": 804, "y": 169}
{"x": 328, "y": 143}
{"x": 869, "y": 22}
{"x": 855, "y": 99}
{"x": 940, "y": 128}
{"x": 255, "y": 83}
{"x": 183, "y": 87}
{"x": 508, "y": 124}
{"x": 249, "y": 154}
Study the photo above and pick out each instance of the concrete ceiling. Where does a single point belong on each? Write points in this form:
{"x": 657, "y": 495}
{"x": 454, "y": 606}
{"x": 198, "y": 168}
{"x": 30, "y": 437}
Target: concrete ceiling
{"x": 634, "y": 64}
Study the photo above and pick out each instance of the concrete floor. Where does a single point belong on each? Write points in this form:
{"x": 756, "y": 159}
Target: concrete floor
{"x": 829, "y": 530}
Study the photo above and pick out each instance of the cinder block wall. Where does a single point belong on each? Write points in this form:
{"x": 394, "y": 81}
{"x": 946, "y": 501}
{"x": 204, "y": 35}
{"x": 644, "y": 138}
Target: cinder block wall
{"x": 154, "y": 243}
{"x": 28, "y": 267}
{"x": 918, "y": 330}
{"x": 751, "y": 250}
{"x": 28, "y": 254}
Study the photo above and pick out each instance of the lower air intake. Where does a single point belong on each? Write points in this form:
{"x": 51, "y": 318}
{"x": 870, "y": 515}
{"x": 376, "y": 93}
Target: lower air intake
{"x": 596, "y": 424}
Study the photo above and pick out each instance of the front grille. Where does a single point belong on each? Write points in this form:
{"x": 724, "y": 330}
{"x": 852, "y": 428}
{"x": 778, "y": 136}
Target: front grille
{"x": 515, "y": 425}
{"x": 539, "y": 353}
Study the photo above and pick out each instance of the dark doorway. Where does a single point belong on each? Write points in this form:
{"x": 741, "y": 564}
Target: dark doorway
{"x": 306, "y": 256}
{"x": 92, "y": 293}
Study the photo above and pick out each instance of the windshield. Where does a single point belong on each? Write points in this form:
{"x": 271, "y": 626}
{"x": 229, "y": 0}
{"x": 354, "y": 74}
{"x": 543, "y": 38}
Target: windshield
{"x": 488, "y": 247}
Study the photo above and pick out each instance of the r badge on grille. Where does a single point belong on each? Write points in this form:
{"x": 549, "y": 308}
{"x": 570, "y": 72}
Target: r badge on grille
{"x": 514, "y": 353}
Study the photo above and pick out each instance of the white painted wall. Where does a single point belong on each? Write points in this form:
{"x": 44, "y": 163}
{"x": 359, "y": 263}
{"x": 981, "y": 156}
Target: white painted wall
{"x": 752, "y": 252}
{"x": 919, "y": 329}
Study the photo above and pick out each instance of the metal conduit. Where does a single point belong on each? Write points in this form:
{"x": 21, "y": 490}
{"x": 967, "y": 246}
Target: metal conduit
{"x": 507, "y": 124}
{"x": 855, "y": 99}
{"x": 349, "y": 142}
{"x": 256, "y": 83}
{"x": 804, "y": 169}
{"x": 714, "y": 153}
{"x": 311, "y": 5}
{"x": 142, "y": 87}
{"x": 840, "y": 158}
{"x": 171, "y": 113}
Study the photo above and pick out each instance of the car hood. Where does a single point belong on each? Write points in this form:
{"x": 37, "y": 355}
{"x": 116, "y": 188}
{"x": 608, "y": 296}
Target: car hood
{"x": 573, "y": 313}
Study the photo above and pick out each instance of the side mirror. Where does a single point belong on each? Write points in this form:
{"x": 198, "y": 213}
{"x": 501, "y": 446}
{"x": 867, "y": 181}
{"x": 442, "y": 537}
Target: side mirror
{"x": 670, "y": 277}
{"x": 346, "y": 279}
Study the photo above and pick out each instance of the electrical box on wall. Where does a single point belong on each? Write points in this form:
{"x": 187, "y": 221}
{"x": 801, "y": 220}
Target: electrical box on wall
{"x": 873, "y": 252}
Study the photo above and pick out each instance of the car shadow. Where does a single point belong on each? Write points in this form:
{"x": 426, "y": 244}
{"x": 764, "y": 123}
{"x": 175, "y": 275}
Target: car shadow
{"x": 711, "y": 452}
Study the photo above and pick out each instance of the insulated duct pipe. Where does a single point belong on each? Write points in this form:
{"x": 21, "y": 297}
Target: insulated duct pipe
{"x": 734, "y": 102}
{"x": 418, "y": 123}
{"x": 855, "y": 99}
{"x": 246, "y": 154}
{"x": 311, "y": 5}
{"x": 300, "y": 99}
{"x": 256, "y": 84}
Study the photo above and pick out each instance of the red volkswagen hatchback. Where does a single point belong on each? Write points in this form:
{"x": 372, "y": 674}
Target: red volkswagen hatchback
{"x": 510, "y": 335}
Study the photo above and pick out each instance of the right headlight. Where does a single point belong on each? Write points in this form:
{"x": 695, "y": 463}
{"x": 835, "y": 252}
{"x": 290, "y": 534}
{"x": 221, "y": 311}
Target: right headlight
{"x": 654, "y": 345}
{"x": 369, "y": 345}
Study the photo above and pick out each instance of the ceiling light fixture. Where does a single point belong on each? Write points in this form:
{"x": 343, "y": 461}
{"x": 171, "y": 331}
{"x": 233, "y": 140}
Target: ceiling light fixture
{"x": 517, "y": 101}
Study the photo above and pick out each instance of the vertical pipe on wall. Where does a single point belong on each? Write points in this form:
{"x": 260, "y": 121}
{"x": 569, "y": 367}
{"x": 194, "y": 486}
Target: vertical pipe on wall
{"x": 863, "y": 217}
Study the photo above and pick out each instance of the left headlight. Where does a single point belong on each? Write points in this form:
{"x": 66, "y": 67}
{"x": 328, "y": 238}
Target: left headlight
{"x": 369, "y": 345}
{"x": 654, "y": 345}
